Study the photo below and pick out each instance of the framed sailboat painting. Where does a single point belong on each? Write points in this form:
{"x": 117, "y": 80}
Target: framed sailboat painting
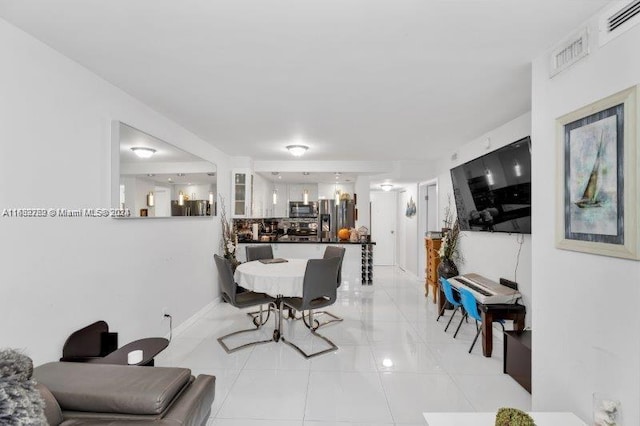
{"x": 597, "y": 178}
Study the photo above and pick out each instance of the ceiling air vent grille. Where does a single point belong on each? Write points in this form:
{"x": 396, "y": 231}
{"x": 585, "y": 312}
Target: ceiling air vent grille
{"x": 569, "y": 52}
{"x": 622, "y": 16}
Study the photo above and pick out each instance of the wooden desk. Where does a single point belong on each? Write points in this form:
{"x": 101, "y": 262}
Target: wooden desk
{"x": 491, "y": 313}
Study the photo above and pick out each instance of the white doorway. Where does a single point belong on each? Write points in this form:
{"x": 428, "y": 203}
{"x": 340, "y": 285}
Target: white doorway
{"x": 428, "y": 220}
{"x": 162, "y": 201}
{"x": 383, "y": 226}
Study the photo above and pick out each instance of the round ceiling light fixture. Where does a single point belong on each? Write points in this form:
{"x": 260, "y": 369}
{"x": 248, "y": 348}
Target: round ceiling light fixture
{"x": 386, "y": 186}
{"x": 143, "y": 152}
{"x": 297, "y": 150}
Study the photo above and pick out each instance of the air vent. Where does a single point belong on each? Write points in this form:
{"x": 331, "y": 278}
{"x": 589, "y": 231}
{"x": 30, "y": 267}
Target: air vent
{"x": 569, "y": 52}
{"x": 625, "y": 15}
{"x": 618, "y": 19}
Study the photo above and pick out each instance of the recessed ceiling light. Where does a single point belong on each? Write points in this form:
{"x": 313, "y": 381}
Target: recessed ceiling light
{"x": 386, "y": 186}
{"x": 150, "y": 174}
{"x": 169, "y": 180}
{"x": 179, "y": 174}
{"x": 305, "y": 173}
{"x": 297, "y": 150}
{"x": 143, "y": 152}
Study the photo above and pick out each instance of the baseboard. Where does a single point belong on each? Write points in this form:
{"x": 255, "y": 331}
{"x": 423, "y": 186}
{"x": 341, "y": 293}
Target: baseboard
{"x": 195, "y": 317}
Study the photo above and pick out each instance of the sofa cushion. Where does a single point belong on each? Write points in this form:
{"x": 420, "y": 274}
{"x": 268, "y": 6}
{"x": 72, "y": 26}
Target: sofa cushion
{"x": 51, "y": 408}
{"x": 105, "y": 388}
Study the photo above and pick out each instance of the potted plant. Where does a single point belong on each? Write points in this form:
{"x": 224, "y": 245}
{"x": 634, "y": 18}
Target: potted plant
{"x": 450, "y": 252}
{"x": 229, "y": 238}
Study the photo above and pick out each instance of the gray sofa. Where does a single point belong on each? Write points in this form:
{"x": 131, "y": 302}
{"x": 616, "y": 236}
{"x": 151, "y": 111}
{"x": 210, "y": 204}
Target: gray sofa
{"x": 102, "y": 395}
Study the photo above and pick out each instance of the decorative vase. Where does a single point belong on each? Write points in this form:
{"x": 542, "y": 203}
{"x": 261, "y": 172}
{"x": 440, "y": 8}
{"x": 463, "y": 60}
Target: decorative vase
{"x": 447, "y": 268}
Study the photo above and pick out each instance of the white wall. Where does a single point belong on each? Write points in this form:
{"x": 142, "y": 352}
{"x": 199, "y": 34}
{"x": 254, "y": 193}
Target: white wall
{"x": 493, "y": 255}
{"x": 585, "y": 308}
{"x": 60, "y": 274}
{"x": 408, "y": 237}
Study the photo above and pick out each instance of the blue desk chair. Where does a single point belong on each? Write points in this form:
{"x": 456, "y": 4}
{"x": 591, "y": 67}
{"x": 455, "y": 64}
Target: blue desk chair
{"x": 470, "y": 305}
{"x": 448, "y": 294}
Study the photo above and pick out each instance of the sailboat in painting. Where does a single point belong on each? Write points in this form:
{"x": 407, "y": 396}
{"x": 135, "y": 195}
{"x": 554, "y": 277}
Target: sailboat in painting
{"x": 590, "y": 196}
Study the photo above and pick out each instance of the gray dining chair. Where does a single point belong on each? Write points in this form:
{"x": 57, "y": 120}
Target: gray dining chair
{"x": 329, "y": 252}
{"x": 257, "y": 252}
{"x": 319, "y": 290}
{"x": 264, "y": 251}
{"x": 246, "y": 299}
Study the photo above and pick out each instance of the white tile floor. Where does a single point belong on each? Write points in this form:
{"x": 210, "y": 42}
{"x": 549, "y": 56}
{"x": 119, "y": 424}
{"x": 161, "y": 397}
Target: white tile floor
{"x": 394, "y": 362}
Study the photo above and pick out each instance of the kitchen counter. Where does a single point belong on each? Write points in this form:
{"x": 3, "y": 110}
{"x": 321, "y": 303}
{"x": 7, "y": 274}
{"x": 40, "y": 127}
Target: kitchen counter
{"x": 357, "y": 266}
{"x": 303, "y": 242}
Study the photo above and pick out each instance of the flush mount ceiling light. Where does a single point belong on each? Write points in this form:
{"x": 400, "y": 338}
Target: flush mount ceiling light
{"x": 143, "y": 152}
{"x": 386, "y": 186}
{"x": 297, "y": 150}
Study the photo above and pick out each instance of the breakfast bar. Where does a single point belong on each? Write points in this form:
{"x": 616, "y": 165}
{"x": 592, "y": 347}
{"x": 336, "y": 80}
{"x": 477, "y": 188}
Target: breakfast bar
{"x": 357, "y": 266}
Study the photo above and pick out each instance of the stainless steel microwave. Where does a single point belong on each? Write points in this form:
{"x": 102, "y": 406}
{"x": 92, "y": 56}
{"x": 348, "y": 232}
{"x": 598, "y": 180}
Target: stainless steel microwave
{"x": 300, "y": 209}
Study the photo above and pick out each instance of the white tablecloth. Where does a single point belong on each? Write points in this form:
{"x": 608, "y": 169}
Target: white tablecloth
{"x": 275, "y": 279}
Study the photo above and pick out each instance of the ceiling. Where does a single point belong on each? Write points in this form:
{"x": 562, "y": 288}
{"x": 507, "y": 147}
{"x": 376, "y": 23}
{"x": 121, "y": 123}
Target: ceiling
{"x": 354, "y": 79}
{"x": 133, "y": 138}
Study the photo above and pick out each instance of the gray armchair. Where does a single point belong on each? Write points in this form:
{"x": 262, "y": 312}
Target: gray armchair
{"x": 319, "y": 290}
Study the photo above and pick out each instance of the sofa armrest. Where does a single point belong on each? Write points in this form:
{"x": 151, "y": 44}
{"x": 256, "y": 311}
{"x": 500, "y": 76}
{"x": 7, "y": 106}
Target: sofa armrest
{"x": 194, "y": 406}
{"x": 104, "y": 388}
{"x": 51, "y": 407}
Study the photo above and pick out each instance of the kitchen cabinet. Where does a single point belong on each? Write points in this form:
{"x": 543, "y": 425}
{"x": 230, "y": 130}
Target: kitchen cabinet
{"x": 241, "y": 193}
{"x": 296, "y": 191}
{"x": 280, "y": 208}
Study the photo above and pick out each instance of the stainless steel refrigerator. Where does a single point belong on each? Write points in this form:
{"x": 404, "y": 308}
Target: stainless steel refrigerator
{"x": 327, "y": 220}
{"x": 345, "y": 215}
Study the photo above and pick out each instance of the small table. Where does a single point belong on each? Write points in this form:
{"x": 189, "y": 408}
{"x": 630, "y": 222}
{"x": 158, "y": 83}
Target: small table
{"x": 489, "y": 419}
{"x": 275, "y": 279}
{"x": 497, "y": 311}
{"x": 150, "y": 347}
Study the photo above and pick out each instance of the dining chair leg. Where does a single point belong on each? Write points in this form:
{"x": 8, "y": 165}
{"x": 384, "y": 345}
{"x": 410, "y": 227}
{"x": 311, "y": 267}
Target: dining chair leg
{"x": 258, "y": 325}
{"x": 332, "y": 346}
{"x": 322, "y": 324}
{"x": 452, "y": 315}
{"x": 464, "y": 317}
{"x": 475, "y": 339}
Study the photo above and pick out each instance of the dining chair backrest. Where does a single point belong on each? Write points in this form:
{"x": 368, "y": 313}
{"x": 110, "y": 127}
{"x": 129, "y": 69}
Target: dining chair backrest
{"x": 264, "y": 251}
{"x": 470, "y": 304}
{"x": 226, "y": 282}
{"x": 333, "y": 251}
{"x": 448, "y": 291}
{"x": 320, "y": 278}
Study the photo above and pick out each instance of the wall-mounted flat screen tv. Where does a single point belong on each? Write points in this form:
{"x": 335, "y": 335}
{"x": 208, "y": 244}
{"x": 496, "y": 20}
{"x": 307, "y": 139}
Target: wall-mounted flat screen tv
{"x": 493, "y": 192}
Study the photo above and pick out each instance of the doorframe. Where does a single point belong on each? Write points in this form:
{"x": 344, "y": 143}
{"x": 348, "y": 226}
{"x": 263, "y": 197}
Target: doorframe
{"x": 394, "y": 244}
{"x": 422, "y": 222}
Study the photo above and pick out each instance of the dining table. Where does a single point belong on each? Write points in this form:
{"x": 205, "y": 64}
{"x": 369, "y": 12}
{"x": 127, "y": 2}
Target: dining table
{"x": 278, "y": 278}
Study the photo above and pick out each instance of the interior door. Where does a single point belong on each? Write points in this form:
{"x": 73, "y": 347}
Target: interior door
{"x": 383, "y": 226}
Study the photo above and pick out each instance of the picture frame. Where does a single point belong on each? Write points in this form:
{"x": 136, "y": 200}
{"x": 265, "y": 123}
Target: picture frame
{"x": 597, "y": 178}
